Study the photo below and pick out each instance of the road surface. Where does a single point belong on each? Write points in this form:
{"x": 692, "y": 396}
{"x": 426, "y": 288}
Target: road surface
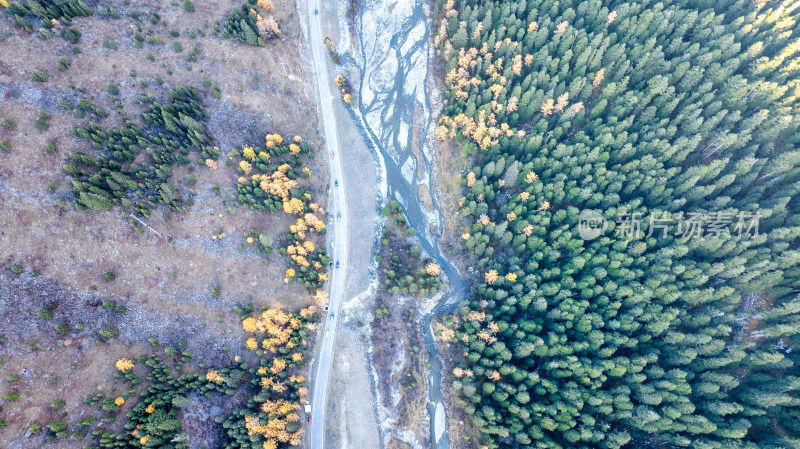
{"x": 339, "y": 252}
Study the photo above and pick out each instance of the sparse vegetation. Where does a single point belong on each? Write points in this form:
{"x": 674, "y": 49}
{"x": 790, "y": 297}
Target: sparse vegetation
{"x": 402, "y": 267}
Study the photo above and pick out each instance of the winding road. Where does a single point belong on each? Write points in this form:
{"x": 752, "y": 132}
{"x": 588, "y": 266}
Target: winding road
{"x": 339, "y": 253}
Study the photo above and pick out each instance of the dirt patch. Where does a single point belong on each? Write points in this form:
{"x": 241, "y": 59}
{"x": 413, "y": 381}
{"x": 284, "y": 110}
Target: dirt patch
{"x": 415, "y": 150}
{"x": 198, "y": 418}
{"x": 424, "y": 196}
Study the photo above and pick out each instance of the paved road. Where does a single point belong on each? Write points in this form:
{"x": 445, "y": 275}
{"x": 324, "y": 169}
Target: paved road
{"x": 339, "y": 253}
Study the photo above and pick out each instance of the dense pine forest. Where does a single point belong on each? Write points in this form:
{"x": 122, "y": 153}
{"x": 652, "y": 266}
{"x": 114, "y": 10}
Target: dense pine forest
{"x": 676, "y": 324}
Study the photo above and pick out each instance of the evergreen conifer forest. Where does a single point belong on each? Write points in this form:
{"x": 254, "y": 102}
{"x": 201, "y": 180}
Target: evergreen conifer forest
{"x": 675, "y": 122}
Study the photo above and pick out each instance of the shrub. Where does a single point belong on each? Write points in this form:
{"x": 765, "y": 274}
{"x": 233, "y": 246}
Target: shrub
{"x": 58, "y": 427}
{"x": 64, "y": 64}
{"x": 42, "y": 126}
{"x": 86, "y": 421}
{"x": 11, "y": 396}
{"x": 16, "y": 269}
{"x": 39, "y": 76}
{"x": 63, "y": 328}
{"x": 177, "y": 46}
{"x": 13, "y": 378}
{"x": 112, "y": 89}
{"x": 188, "y": 5}
{"x": 45, "y": 314}
{"x": 9, "y": 124}
{"x": 58, "y": 404}
{"x": 51, "y": 148}
{"x": 5, "y": 145}
{"x": 110, "y": 277}
{"x": 215, "y": 292}
{"x": 108, "y": 332}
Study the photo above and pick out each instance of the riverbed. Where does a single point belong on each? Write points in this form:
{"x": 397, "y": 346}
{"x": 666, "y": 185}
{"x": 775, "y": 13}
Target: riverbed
{"x": 394, "y": 107}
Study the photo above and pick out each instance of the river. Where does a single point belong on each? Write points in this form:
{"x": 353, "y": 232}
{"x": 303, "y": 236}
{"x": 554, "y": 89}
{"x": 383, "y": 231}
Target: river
{"x": 393, "y": 99}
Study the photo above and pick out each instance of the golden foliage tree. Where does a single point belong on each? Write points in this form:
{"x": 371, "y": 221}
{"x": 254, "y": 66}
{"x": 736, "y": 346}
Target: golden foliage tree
{"x": 124, "y": 364}
{"x": 266, "y": 6}
{"x": 547, "y": 107}
{"x": 598, "y": 77}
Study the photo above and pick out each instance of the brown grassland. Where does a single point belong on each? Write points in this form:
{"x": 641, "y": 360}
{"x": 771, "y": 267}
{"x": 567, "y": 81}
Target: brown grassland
{"x": 165, "y": 281}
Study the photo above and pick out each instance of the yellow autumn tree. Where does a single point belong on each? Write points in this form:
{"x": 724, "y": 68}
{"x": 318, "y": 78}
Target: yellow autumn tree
{"x": 249, "y": 324}
{"x": 249, "y": 153}
{"x": 214, "y": 376}
{"x": 294, "y": 148}
{"x": 547, "y": 107}
{"x": 491, "y": 276}
{"x": 293, "y": 206}
{"x": 511, "y": 277}
{"x": 433, "y": 269}
{"x": 124, "y": 364}
{"x": 211, "y": 163}
{"x": 561, "y": 28}
{"x": 245, "y": 166}
{"x": 278, "y": 365}
{"x": 252, "y": 344}
{"x": 321, "y": 298}
{"x": 562, "y": 102}
{"x": 266, "y": 6}
{"x": 120, "y": 401}
{"x": 598, "y": 77}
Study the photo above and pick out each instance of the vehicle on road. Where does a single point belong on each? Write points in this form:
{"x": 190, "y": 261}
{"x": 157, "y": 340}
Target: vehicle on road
{"x": 331, "y": 154}
{"x": 337, "y": 264}
{"x": 331, "y": 264}
{"x": 308, "y": 408}
{"x": 339, "y": 216}
{"x": 315, "y": 13}
{"x": 336, "y": 183}
{"x": 333, "y": 315}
